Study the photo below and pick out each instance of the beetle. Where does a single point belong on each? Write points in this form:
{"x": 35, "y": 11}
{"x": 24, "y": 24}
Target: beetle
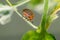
{"x": 28, "y": 14}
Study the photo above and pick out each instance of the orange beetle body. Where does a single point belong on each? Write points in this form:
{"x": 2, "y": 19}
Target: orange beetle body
{"x": 28, "y": 14}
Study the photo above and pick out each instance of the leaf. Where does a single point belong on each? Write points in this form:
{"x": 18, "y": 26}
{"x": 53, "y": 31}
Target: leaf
{"x": 52, "y": 15}
{"x": 33, "y": 35}
{"x": 49, "y": 37}
{"x": 35, "y": 2}
{"x": 49, "y": 18}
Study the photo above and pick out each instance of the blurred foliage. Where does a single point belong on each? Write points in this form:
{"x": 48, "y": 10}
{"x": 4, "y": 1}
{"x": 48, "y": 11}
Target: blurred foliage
{"x": 1, "y": 4}
{"x": 57, "y": 0}
{"x": 33, "y": 35}
{"x": 52, "y": 15}
{"x": 5, "y": 12}
{"x": 31, "y": 3}
{"x": 49, "y": 18}
{"x": 58, "y": 6}
{"x": 35, "y": 2}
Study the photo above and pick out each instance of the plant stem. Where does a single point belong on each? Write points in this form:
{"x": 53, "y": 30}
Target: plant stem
{"x": 21, "y": 3}
{"x": 14, "y": 7}
{"x": 44, "y": 17}
{"x": 43, "y": 22}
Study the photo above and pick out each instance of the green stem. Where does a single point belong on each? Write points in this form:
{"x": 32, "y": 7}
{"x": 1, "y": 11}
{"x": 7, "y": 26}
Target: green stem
{"x": 43, "y": 22}
{"x": 44, "y": 17}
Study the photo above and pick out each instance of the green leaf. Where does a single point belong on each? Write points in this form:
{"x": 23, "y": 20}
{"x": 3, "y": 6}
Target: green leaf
{"x": 49, "y": 19}
{"x": 52, "y": 16}
{"x": 33, "y": 35}
{"x": 49, "y": 37}
{"x": 35, "y": 2}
